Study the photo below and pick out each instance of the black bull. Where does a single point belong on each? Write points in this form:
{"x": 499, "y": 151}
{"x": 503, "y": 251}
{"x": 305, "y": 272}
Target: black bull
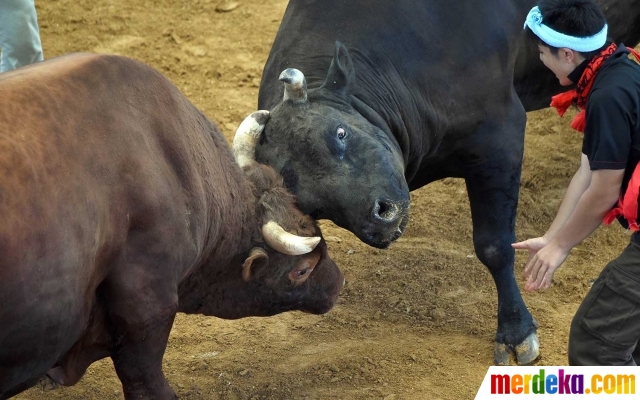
{"x": 426, "y": 90}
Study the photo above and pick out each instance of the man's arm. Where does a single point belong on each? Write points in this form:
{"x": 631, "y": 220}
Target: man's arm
{"x": 595, "y": 202}
{"x": 579, "y": 184}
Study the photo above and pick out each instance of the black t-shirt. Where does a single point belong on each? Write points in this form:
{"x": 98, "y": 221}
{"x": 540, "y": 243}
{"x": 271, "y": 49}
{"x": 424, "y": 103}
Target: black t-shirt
{"x": 612, "y": 130}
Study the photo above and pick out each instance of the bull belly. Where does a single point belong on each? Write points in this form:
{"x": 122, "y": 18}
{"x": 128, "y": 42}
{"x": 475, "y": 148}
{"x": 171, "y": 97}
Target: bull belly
{"x": 33, "y": 345}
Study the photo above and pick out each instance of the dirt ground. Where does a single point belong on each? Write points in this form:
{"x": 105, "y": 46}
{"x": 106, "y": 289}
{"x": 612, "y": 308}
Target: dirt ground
{"x": 415, "y": 321}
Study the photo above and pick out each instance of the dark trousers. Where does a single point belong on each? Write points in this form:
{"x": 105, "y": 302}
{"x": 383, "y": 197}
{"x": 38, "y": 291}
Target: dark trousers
{"x": 606, "y": 327}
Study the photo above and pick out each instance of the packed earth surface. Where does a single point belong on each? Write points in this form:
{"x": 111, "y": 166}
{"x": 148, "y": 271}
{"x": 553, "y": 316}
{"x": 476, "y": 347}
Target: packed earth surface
{"x": 415, "y": 321}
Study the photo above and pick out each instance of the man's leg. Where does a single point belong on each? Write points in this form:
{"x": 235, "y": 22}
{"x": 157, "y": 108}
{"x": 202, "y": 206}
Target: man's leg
{"x": 19, "y": 34}
{"x": 606, "y": 327}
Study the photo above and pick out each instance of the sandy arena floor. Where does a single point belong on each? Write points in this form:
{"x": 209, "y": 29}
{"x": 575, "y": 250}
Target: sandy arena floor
{"x": 415, "y": 321}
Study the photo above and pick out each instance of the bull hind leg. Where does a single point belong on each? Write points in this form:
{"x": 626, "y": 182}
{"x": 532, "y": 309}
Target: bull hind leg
{"x": 492, "y": 178}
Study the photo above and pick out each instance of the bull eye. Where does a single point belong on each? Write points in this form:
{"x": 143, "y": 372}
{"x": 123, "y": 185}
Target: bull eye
{"x": 299, "y": 276}
{"x": 341, "y": 133}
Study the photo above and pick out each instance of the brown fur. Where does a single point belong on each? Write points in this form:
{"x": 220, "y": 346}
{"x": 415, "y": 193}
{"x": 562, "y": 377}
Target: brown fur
{"x": 275, "y": 203}
{"x": 121, "y": 203}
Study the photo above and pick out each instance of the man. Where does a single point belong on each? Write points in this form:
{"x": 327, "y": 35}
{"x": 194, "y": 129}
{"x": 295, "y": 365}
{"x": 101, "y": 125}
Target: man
{"x": 572, "y": 41}
{"x": 19, "y": 34}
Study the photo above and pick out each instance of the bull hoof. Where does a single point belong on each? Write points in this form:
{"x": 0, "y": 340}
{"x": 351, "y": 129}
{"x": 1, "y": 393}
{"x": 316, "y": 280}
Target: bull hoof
{"x": 46, "y": 383}
{"x": 525, "y": 353}
{"x": 502, "y": 354}
{"x": 529, "y": 350}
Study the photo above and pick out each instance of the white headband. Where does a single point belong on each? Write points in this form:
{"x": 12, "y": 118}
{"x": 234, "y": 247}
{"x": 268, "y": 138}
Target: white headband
{"x": 557, "y": 39}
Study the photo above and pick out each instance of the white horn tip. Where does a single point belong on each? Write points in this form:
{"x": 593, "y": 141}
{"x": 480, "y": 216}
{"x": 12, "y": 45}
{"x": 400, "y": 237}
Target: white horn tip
{"x": 311, "y": 242}
{"x": 246, "y": 137}
{"x": 253, "y": 124}
{"x": 288, "y": 243}
{"x": 261, "y": 116}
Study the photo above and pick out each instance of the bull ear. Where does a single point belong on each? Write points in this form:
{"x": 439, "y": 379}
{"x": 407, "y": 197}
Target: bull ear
{"x": 341, "y": 72}
{"x": 258, "y": 259}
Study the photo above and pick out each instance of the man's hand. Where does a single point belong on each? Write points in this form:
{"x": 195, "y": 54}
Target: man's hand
{"x": 540, "y": 268}
{"x": 533, "y": 245}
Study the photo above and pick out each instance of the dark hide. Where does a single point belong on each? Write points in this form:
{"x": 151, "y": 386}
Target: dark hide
{"x": 122, "y": 204}
{"x": 424, "y": 90}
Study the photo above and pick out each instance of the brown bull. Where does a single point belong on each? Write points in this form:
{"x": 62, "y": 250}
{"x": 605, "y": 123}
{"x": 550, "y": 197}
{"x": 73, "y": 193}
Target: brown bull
{"x": 121, "y": 204}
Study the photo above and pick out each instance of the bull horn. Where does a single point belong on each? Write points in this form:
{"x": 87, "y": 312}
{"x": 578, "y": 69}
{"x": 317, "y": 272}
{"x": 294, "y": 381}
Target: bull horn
{"x": 288, "y": 243}
{"x": 295, "y": 85}
{"x": 247, "y": 135}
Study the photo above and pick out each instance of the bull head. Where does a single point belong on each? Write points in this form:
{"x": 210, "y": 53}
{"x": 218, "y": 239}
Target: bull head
{"x": 244, "y": 145}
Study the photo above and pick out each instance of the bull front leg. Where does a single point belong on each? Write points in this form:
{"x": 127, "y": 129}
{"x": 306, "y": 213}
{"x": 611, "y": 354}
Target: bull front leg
{"x": 138, "y": 359}
{"x": 492, "y": 178}
{"x": 142, "y": 310}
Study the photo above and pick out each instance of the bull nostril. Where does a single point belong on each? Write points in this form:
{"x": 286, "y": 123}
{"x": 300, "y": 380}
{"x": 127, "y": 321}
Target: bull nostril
{"x": 385, "y": 210}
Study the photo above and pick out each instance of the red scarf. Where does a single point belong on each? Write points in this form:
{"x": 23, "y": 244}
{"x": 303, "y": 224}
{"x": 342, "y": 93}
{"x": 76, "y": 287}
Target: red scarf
{"x": 580, "y": 94}
{"x": 627, "y": 206}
